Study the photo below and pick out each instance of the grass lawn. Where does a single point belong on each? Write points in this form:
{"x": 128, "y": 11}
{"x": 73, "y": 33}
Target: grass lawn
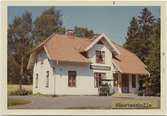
{"x": 136, "y": 103}
{"x": 129, "y": 103}
{"x": 13, "y": 102}
{"x": 14, "y": 87}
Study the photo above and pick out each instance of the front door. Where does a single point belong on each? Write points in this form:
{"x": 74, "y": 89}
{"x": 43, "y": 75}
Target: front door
{"x": 125, "y": 83}
{"x": 98, "y": 77}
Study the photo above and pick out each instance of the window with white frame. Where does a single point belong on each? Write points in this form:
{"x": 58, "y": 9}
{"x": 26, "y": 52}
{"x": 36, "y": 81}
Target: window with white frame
{"x": 100, "y": 57}
{"x": 72, "y": 78}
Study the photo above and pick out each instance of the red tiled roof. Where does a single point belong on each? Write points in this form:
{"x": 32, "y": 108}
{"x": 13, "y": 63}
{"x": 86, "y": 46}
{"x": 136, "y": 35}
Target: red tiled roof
{"x": 63, "y": 48}
{"x": 128, "y": 62}
{"x": 68, "y": 49}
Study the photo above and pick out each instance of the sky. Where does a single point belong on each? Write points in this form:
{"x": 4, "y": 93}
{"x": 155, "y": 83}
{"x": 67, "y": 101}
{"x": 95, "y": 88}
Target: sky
{"x": 110, "y": 20}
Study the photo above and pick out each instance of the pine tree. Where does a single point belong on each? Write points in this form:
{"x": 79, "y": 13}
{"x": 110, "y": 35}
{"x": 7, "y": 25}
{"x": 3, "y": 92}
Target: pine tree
{"x": 139, "y": 32}
{"x": 143, "y": 38}
{"x": 153, "y": 60}
{"x": 132, "y": 39}
{"x": 146, "y": 23}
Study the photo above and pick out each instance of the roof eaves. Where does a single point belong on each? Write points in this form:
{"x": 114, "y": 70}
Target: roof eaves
{"x": 108, "y": 40}
{"x": 45, "y": 48}
{"x": 119, "y": 69}
{"x": 43, "y": 43}
{"x": 94, "y": 42}
{"x": 98, "y": 38}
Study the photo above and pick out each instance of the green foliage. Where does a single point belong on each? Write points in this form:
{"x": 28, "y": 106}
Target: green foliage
{"x": 49, "y": 22}
{"x": 153, "y": 59}
{"x": 143, "y": 38}
{"x": 19, "y": 43}
{"x": 132, "y": 38}
{"x": 139, "y": 34}
{"x": 23, "y": 35}
{"x": 21, "y": 92}
{"x": 83, "y": 32}
{"x": 13, "y": 70}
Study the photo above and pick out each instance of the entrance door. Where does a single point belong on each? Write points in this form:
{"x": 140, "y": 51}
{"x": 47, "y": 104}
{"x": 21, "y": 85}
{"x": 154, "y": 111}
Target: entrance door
{"x": 98, "y": 77}
{"x": 125, "y": 83}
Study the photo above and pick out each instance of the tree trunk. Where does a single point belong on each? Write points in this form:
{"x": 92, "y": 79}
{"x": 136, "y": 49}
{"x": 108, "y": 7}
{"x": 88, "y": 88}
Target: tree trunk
{"x": 21, "y": 72}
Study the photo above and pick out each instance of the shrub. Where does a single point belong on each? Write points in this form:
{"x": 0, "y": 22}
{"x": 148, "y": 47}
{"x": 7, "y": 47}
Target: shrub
{"x": 21, "y": 92}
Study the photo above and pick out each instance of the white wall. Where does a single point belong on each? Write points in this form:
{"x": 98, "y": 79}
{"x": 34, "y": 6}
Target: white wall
{"x": 84, "y": 80}
{"x": 58, "y": 77}
{"x": 41, "y": 70}
{"x": 108, "y": 55}
{"x": 108, "y": 59}
{"x": 58, "y": 80}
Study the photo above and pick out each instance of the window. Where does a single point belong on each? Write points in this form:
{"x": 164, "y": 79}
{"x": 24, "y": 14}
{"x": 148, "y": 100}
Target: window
{"x": 100, "y": 57}
{"x": 72, "y": 78}
{"x": 98, "y": 77}
{"x": 133, "y": 81}
{"x": 47, "y": 79}
{"x": 36, "y": 81}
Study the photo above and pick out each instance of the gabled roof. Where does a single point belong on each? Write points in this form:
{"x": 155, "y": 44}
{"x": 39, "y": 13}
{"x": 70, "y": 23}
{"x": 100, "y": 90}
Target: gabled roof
{"x": 104, "y": 37}
{"x": 63, "y": 48}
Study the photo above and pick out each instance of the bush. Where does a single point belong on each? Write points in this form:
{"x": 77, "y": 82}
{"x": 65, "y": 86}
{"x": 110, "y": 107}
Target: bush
{"x": 21, "y": 92}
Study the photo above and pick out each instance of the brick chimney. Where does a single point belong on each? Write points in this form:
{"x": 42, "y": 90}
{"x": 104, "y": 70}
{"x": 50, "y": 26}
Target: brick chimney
{"x": 70, "y": 33}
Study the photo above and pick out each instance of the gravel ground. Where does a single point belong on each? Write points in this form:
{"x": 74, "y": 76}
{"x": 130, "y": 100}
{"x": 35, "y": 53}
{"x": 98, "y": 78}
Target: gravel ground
{"x": 63, "y": 102}
{"x": 76, "y": 102}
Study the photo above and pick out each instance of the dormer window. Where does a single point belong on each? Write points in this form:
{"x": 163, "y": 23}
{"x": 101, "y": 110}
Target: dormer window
{"x": 100, "y": 57}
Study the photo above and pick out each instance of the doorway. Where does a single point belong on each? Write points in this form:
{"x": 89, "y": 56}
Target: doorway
{"x": 98, "y": 77}
{"x": 125, "y": 83}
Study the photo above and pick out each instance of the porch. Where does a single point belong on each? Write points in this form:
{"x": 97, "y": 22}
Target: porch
{"x": 126, "y": 83}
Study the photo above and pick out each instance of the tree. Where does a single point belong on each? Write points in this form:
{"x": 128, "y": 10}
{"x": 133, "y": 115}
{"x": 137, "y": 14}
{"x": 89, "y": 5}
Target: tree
{"x": 13, "y": 70}
{"x": 83, "y": 32}
{"x": 146, "y": 23}
{"x": 143, "y": 38}
{"x": 19, "y": 43}
{"x": 133, "y": 38}
{"x": 49, "y": 22}
{"x": 153, "y": 59}
{"x": 138, "y": 36}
